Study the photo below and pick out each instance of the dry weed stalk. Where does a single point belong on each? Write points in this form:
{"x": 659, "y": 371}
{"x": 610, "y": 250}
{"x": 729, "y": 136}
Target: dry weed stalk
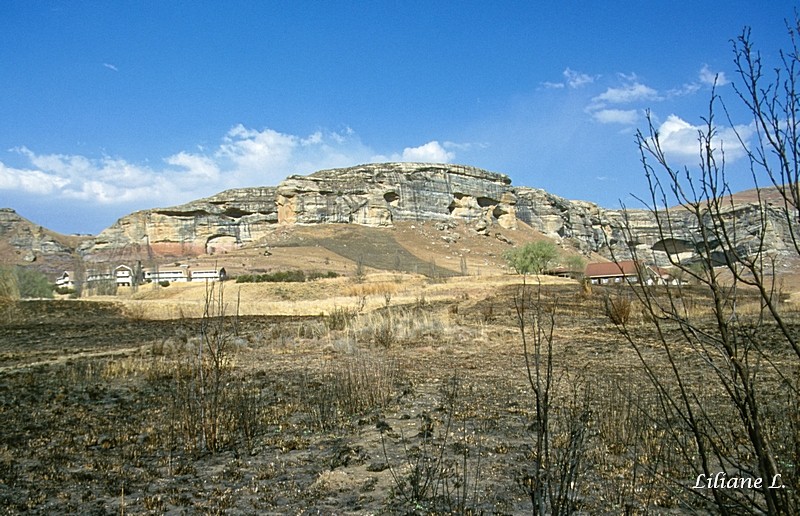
{"x": 553, "y": 477}
{"x": 212, "y": 405}
{"x": 439, "y": 473}
{"x": 354, "y": 385}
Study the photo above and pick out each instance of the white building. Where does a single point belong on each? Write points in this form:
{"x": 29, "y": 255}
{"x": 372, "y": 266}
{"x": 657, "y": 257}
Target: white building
{"x": 95, "y": 275}
{"x": 214, "y": 274}
{"x": 171, "y": 274}
{"x": 124, "y": 276}
{"x": 66, "y": 280}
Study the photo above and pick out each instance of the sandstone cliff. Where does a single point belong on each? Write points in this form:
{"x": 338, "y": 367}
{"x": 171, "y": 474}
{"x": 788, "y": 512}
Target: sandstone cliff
{"x": 380, "y": 195}
{"x": 370, "y": 195}
{"x": 22, "y": 243}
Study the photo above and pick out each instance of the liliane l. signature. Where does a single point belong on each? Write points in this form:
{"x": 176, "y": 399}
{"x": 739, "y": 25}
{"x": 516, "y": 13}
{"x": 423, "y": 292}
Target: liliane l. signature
{"x": 721, "y": 481}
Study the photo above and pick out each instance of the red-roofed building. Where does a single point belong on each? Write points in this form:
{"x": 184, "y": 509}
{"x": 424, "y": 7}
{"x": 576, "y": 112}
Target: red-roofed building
{"x": 626, "y": 271}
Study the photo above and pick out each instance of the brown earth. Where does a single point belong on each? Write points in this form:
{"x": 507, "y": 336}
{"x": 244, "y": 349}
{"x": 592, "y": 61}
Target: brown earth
{"x": 417, "y": 404}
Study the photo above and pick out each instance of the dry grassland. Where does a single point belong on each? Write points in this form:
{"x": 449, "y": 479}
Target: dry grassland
{"x": 395, "y": 395}
{"x": 317, "y": 297}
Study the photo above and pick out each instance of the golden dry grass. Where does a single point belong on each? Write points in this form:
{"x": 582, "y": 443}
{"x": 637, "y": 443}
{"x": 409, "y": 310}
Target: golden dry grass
{"x": 316, "y": 297}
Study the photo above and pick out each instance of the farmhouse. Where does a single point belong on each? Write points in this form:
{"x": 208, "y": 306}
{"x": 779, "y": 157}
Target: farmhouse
{"x": 124, "y": 276}
{"x": 93, "y": 275}
{"x": 66, "y": 280}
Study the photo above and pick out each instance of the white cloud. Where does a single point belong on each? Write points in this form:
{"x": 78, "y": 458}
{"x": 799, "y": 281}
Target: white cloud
{"x": 705, "y": 77}
{"x": 680, "y": 140}
{"x": 196, "y": 166}
{"x": 29, "y": 181}
{"x": 467, "y": 146}
{"x": 313, "y": 139}
{"x": 431, "y": 152}
{"x": 687, "y": 89}
{"x": 251, "y": 150}
{"x": 111, "y": 67}
{"x": 572, "y": 79}
{"x": 709, "y": 77}
{"x": 633, "y": 92}
{"x": 603, "y": 108}
{"x": 576, "y": 79}
{"x": 57, "y": 164}
{"x": 104, "y": 180}
{"x": 554, "y": 85}
{"x": 616, "y": 116}
{"x": 244, "y": 157}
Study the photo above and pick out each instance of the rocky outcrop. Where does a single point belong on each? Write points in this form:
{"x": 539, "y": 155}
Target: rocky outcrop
{"x": 22, "y": 243}
{"x": 371, "y": 195}
{"x": 206, "y": 226}
{"x": 381, "y": 195}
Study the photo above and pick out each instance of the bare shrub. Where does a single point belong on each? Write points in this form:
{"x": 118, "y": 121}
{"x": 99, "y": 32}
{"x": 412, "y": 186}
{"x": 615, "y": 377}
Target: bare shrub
{"x": 384, "y": 334}
{"x": 440, "y": 469}
{"x": 733, "y": 424}
{"x": 8, "y": 311}
{"x": 487, "y": 312}
{"x": 211, "y": 405}
{"x": 339, "y": 318}
{"x": 618, "y": 309}
{"x": 631, "y": 446}
{"x": 388, "y": 327}
{"x": 9, "y": 294}
{"x": 354, "y": 385}
{"x": 380, "y": 288}
{"x": 554, "y": 469}
{"x": 136, "y": 311}
{"x": 360, "y": 273}
{"x": 9, "y": 285}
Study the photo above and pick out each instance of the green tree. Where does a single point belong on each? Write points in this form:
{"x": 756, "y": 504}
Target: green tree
{"x": 575, "y": 263}
{"x": 9, "y": 286}
{"x": 533, "y": 257}
{"x": 33, "y": 283}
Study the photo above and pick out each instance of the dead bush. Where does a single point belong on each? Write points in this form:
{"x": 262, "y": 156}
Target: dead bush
{"x": 355, "y": 385}
{"x": 386, "y": 328}
{"x": 339, "y": 318}
{"x": 618, "y": 309}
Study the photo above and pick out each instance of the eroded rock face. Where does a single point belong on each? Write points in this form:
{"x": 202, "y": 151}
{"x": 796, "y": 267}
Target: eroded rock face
{"x": 380, "y": 195}
{"x": 211, "y": 225}
{"x": 371, "y": 195}
{"x": 28, "y": 243}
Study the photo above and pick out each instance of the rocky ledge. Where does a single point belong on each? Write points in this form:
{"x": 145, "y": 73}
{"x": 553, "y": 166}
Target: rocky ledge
{"x": 382, "y": 194}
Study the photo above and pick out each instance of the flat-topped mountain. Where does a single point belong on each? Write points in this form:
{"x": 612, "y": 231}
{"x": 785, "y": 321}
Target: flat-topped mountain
{"x": 370, "y": 195}
{"x": 386, "y": 194}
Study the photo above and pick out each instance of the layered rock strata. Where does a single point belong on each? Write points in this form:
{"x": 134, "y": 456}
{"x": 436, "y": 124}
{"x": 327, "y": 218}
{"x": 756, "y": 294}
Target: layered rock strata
{"x": 380, "y": 195}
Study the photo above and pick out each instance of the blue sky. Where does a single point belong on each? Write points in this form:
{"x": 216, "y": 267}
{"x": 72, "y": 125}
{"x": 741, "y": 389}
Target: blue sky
{"x": 111, "y": 107}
